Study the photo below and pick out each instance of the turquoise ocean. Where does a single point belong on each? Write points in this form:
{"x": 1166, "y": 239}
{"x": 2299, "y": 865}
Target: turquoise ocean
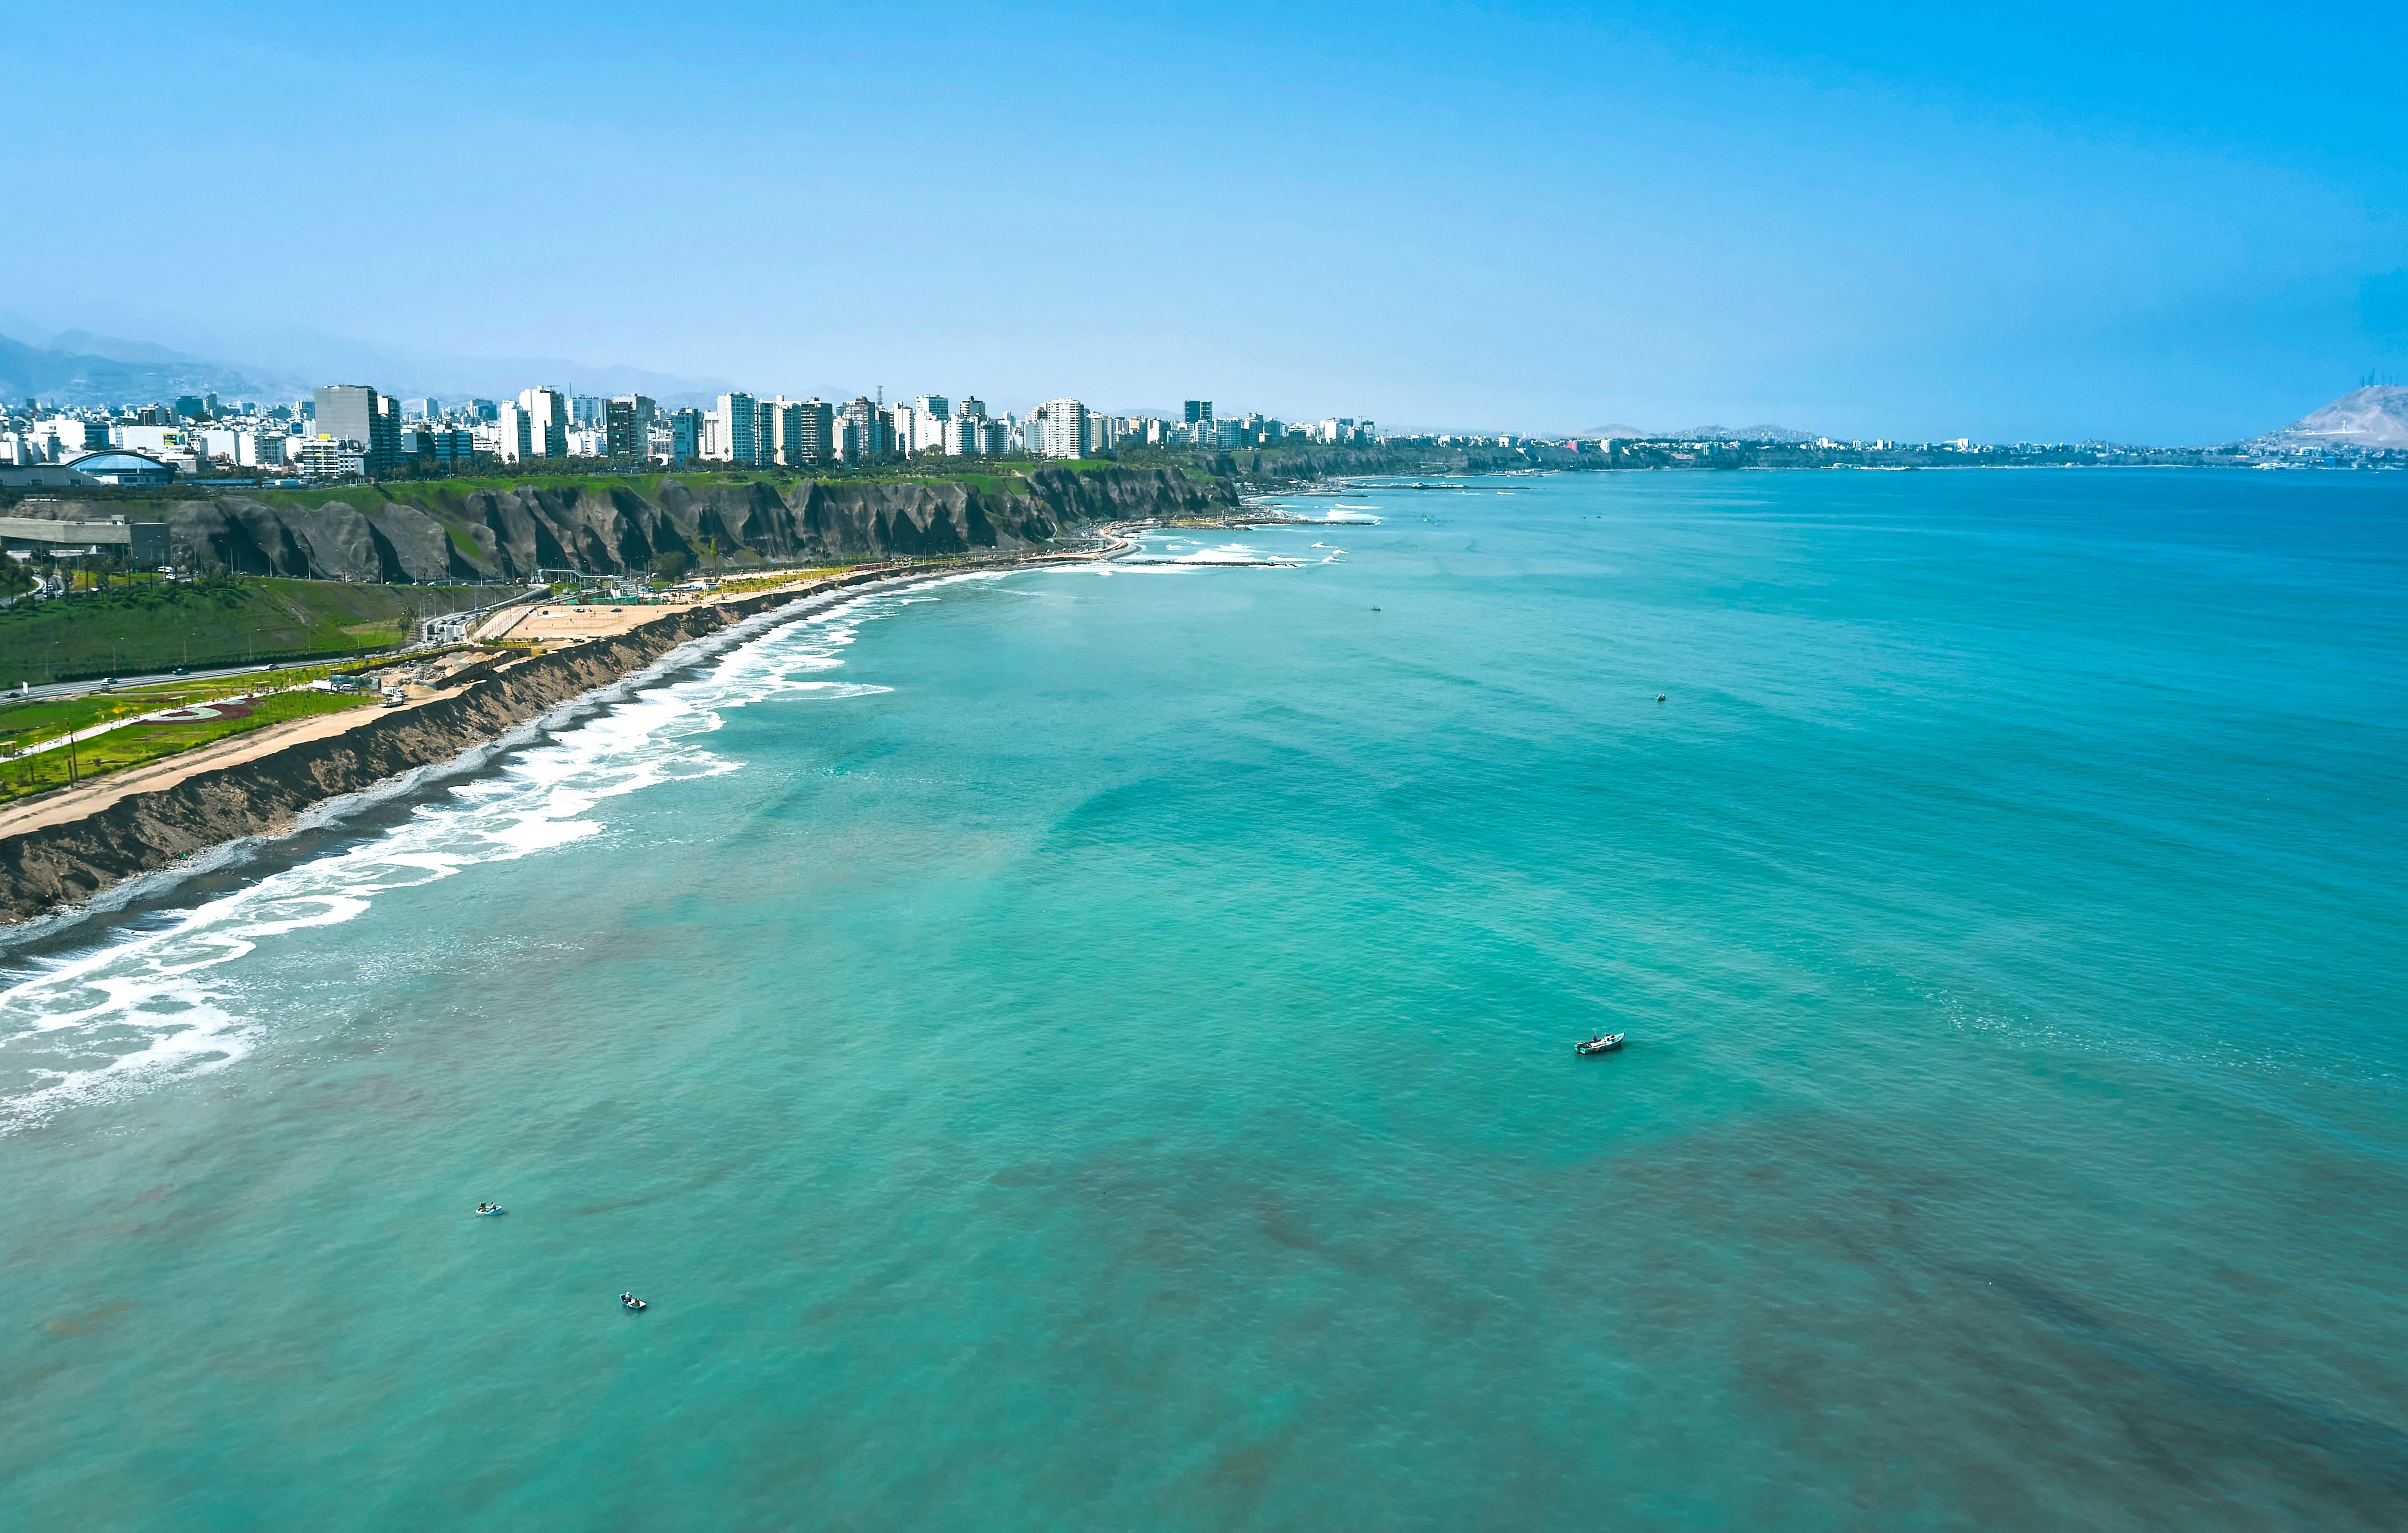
{"x": 1092, "y": 1050}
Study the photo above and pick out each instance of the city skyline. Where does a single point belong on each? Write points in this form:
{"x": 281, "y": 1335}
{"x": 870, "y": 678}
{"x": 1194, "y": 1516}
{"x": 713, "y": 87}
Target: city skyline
{"x": 2160, "y": 226}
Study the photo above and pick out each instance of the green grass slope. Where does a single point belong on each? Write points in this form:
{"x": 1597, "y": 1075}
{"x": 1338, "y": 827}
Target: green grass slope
{"x": 216, "y": 621}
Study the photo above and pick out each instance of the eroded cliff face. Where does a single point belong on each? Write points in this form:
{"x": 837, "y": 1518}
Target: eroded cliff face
{"x": 65, "y": 864}
{"x": 442, "y": 535}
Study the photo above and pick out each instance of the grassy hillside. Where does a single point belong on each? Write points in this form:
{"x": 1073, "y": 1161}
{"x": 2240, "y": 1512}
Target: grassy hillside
{"x": 214, "y": 621}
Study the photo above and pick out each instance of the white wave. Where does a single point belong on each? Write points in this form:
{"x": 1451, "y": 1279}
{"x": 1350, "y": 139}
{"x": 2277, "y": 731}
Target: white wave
{"x": 1232, "y": 554}
{"x": 168, "y": 1004}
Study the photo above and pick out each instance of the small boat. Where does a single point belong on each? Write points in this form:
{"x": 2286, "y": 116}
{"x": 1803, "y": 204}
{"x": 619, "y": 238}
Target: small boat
{"x": 1602, "y": 1043}
{"x": 631, "y": 1301}
{"x": 488, "y": 1213}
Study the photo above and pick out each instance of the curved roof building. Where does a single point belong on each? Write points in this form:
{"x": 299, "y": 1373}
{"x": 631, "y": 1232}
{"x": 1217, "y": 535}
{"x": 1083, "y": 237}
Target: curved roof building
{"x": 123, "y": 468}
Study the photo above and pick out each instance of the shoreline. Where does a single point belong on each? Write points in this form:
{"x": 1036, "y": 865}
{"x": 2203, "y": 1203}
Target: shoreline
{"x": 189, "y": 814}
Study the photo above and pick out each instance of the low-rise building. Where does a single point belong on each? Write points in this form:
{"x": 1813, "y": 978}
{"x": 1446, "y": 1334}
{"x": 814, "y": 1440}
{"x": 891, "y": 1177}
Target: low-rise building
{"x": 137, "y": 543}
{"x": 322, "y": 457}
{"x": 123, "y": 468}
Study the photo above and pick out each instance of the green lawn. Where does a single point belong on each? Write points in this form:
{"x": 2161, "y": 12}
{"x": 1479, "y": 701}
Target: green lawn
{"x": 38, "y": 719}
{"x": 134, "y": 744}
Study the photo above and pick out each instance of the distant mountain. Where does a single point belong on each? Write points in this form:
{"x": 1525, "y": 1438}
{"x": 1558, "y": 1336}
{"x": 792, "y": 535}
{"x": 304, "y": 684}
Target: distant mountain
{"x": 1705, "y": 433}
{"x": 78, "y": 367}
{"x": 2369, "y": 417}
{"x": 84, "y": 378}
{"x": 1743, "y": 433}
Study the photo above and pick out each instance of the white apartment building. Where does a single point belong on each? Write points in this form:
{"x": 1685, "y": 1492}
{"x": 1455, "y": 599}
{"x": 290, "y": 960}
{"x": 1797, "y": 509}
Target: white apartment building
{"x": 1060, "y": 429}
{"x": 242, "y": 445}
{"x": 155, "y": 441}
{"x": 514, "y": 434}
{"x": 732, "y": 432}
{"x": 547, "y": 423}
{"x": 919, "y": 426}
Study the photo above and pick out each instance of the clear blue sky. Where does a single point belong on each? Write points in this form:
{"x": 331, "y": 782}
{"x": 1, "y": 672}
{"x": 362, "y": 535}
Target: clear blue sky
{"x": 2159, "y": 223}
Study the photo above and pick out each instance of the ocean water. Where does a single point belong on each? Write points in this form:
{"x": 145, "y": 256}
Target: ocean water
{"x": 1092, "y": 1050}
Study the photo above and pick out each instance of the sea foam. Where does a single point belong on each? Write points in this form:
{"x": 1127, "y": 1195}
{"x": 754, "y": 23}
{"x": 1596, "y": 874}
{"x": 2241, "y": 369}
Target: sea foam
{"x": 147, "y": 1008}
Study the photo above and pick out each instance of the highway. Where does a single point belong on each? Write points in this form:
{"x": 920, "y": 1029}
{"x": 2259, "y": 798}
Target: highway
{"x": 71, "y": 689}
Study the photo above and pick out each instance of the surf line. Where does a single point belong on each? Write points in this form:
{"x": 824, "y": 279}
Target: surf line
{"x": 224, "y": 802}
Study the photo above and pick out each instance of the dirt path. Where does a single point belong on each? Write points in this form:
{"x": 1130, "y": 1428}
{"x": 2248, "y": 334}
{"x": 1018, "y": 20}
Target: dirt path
{"x": 58, "y": 809}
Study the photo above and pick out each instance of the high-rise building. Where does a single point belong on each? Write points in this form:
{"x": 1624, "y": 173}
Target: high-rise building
{"x": 869, "y": 435}
{"x": 796, "y": 432}
{"x": 1062, "y": 429}
{"x": 919, "y": 426}
{"x": 353, "y": 412}
{"x": 815, "y": 439}
{"x": 344, "y": 411}
{"x": 1199, "y": 412}
{"x": 513, "y": 432}
{"x": 735, "y": 430}
{"x": 627, "y": 425}
{"x": 685, "y": 436}
{"x": 420, "y": 409}
{"x": 547, "y": 413}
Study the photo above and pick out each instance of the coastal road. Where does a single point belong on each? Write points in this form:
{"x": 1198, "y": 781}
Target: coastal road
{"x": 72, "y": 688}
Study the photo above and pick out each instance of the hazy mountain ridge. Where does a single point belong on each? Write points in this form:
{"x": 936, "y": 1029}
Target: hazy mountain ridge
{"x": 76, "y": 367}
{"x": 82, "y": 378}
{"x": 1704, "y": 433}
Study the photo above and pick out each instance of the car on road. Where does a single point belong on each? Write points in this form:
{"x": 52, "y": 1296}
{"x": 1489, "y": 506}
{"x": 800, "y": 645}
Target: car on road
{"x": 180, "y": 671}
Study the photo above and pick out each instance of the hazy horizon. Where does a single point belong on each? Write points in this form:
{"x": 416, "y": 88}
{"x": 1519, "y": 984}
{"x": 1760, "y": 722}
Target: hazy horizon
{"x": 2160, "y": 226}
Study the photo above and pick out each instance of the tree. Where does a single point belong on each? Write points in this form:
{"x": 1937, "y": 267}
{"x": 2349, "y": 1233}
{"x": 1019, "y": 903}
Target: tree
{"x": 671, "y": 563}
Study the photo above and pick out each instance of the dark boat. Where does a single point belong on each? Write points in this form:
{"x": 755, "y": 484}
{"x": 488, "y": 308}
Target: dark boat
{"x": 1602, "y": 1043}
